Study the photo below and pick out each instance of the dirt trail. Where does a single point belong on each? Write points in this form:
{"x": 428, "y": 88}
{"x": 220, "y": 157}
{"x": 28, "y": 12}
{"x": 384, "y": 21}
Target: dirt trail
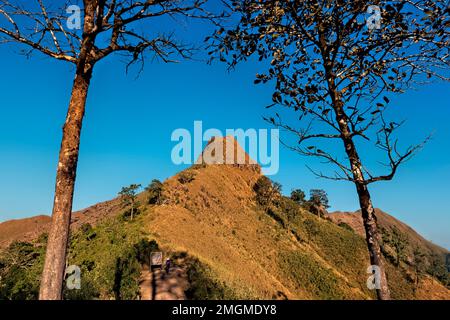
{"x": 157, "y": 285}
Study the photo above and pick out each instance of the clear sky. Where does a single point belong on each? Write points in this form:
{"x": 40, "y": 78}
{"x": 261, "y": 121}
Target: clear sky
{"x": 128, "y": 126}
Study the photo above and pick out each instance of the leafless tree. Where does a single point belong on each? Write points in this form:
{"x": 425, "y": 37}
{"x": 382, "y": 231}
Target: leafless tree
{"x": 106, "y": 27}
{"x": 333, "y": 62}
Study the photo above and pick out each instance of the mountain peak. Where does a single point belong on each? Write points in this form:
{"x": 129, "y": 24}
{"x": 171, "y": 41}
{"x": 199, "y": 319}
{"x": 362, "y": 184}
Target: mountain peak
{"x": 225, "y": 150}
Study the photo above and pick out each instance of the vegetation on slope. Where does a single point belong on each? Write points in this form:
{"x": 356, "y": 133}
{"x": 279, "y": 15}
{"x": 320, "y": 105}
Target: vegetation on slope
{"x": 20, "y": 270}
{"x": 263, "y": 249}
{"x": 109, "y": 256}
{"x": 232, "y": 244}
{"x": 407, "y": 251}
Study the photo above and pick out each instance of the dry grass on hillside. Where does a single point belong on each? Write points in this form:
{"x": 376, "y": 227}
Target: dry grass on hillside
{"x": 26, "y": 229}
{"x": 354, "y": 220}
{"x": 215, "y": 218}
{"x": 211, "y": 217}
{"x": 210, "y": 212}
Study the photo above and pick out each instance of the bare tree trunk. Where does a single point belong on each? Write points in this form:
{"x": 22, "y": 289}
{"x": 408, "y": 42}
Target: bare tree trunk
{"x": 367, "y": 210}
{"x": 365, "y": 202}
{"x": 372, "y": 238}
{"x": 55, "y": 258}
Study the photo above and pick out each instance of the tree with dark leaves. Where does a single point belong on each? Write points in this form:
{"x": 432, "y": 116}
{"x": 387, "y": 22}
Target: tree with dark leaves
{"x": 266, "y": 191}
{"x": 333, "y": 64}
{"x": 398, "y": 241}
{"x": 298, "y": 196}
{"x": 419, "y": 264}
{"x": 319, "y": 197}
{"x": 155, "y": 192}
{"x": 128, "y": 195}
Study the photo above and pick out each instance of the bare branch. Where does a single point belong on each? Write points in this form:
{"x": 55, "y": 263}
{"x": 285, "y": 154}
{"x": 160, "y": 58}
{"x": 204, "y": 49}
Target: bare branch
{"x": 395, "y": 158}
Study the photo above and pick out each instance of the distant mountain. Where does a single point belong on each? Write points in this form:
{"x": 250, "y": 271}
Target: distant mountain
{"x": 385, "y": 220}
{"x": 28, "y": 229}
{"x": 227, "y": 244}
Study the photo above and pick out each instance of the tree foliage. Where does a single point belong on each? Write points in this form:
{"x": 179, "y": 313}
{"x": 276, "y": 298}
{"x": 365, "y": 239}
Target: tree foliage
{"x": 319, "y": 197}
{"x": 323, "y": 57}
{"x": 155, "y": 192}
{"x": 437, "y": 268}
{"x": 128, "y": 195}
{"x": 20, "y": 266}
{"x": 419, "y": 264}
{"x": 298, "y": 196}
{"x": 266, "y": 191}
{"x": 398, "y": 241}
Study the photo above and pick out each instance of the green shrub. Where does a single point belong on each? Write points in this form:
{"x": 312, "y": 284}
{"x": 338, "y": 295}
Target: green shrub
{"x": 20, "y": 270}
{"x": 88, "y": 232}
{"x": 398, "y": 242}
{"x": 111, "y": 262}
{"x": 42, "y": 239}
{"x": 266, "y": 191}
{"x": 155, "y": 192}
{"x": 203, "y": 285}
{"x": 274, "y": 215}
{"x": 126, "y": 274}
{"x": 437, "y": 268}
{"x": 88, "y": 291}
{"x": 298, "y": 196}
{"x": 289, "y": 208}
{"x": 344, "y": 249}
{"x": 186, "y": 176}
{"x": 345, "y": 226}
{"x": 144, "y": 248}
{"x": 311, "y": 227}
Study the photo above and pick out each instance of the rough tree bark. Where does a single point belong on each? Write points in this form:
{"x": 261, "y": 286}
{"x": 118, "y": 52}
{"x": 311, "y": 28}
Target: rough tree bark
{"x": 51, "y": 286}
{"x": 54, "y": 267}
{"x": 367, "y": 210}
{"x": 45, "y": 31}
{"x": 372, "y": 238}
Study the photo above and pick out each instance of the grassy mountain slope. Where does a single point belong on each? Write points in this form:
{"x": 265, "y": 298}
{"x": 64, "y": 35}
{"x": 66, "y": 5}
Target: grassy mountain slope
{"x": 29, "y": 229}
{"x": 232, "y": 247}
{"x": 23, "y": 229}
{"x": 433, "y": 262}
{"x": 354, "y": 220}
{"x": 216, "y": 218}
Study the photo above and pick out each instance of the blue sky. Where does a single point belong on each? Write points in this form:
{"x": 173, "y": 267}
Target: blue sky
{"x": 128, "y": 125}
